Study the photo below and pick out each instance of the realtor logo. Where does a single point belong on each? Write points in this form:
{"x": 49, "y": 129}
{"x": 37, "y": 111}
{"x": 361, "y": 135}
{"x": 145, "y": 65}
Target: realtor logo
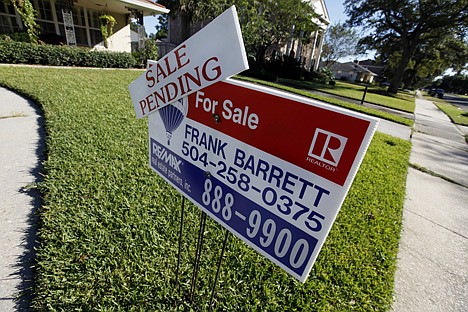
{"x": 327, "y": 147}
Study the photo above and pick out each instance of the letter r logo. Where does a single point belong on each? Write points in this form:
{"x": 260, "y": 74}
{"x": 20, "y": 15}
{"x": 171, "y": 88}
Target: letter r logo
{"x": 327, "y": 147}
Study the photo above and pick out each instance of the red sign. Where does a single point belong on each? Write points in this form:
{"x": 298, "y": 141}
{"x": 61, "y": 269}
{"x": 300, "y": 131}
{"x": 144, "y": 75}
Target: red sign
{"x": 322, "y": 141}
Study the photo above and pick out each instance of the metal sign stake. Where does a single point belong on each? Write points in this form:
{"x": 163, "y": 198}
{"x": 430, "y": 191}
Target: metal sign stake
{"x": 226, "y": 237}
{"x": 180, "y": 243}
{"x": 196, "y": 264}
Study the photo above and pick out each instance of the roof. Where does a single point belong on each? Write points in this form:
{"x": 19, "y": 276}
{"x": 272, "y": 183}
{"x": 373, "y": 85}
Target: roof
{"x": 321, "y": 9}
{"x": 148, "y": 7}
{"x": 351, "y": 66}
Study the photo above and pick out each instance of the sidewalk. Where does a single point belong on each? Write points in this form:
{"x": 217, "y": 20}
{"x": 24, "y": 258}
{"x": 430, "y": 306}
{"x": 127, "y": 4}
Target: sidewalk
{"x": 432, "y": 269}
{"x": 21, "y": 152}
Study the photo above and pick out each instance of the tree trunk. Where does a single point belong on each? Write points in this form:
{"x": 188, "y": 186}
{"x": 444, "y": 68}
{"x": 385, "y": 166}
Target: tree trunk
{"x": 400, "y": 71}
{"x": 184, "y": 26}
{"x": 409, "y": 46}
{"x": 260, "y": 55}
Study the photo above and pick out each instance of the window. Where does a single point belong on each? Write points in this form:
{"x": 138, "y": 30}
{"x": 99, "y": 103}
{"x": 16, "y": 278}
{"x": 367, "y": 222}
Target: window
{"x": 80, "y": 17}
{"x": 50, "y": 19}
{"x": 6, "y": 8}
{"x": 8, "y": 22}
{"x": 45, "y": 16}
{"x": 44, "y": 10}
{"x": 94, "y": 29}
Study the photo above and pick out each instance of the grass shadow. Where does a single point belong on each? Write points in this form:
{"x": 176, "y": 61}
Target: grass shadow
{"x": 27, "y": 261}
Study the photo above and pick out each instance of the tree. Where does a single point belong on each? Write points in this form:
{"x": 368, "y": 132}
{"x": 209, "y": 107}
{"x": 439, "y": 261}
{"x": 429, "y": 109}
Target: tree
{"x": 409, "y": 23}
{"x": 433, "y": 57}
{"x": 457, "y": 84}
{"x": 190, "y": 11}
{"x": 162, "y": 27}
{"x": 265, "y": 23}
{"x": 28, "y": 17}
{"x": 340, "y": 41}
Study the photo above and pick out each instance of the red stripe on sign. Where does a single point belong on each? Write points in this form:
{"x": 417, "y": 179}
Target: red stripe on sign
{"x": 317, "y": 139}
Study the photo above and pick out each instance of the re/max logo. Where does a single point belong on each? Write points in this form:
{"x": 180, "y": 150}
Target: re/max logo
{"x": 163, "y": 154}
{"x": 327, "y": 147}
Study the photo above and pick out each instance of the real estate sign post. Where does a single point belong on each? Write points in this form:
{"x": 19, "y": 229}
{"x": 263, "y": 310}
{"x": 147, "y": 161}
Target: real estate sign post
{"x": 270, "y": 167}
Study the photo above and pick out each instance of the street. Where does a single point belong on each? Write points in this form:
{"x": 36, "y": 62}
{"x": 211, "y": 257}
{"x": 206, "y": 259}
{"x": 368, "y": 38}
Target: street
{"x": 456, "y": 100}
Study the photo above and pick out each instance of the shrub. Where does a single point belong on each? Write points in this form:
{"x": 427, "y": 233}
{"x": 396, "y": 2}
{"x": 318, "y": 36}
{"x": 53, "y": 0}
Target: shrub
{"x": 26, "y": 53}
{"x": 287, "y": 68}
{"x": 260, "y": 74}
{"x": 17, "y": 36}
{"x": 148, "y": 52}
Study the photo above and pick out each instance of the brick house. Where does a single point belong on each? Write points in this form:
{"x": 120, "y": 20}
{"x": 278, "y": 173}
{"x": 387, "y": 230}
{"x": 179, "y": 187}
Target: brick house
{"x": 77, "y": 21}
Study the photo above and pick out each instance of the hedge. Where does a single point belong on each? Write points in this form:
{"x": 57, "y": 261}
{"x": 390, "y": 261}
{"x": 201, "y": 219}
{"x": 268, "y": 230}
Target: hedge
{"x": 12, "y": 52}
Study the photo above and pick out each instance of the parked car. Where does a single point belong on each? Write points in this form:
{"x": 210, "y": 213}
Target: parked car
{"x": 437, "y": 92}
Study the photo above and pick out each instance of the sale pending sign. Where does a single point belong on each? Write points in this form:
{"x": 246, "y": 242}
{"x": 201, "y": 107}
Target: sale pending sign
{"x": 213, "y": 54}
{"x": 270, "y": 167}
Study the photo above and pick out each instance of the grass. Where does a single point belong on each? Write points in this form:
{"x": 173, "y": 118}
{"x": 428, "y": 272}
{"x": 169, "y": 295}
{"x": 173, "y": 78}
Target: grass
{"x": 333, "y": 101}
{"x": 375, "y": 95}
{"x": 108, "y": 224}
{"x": 456, "y": 115}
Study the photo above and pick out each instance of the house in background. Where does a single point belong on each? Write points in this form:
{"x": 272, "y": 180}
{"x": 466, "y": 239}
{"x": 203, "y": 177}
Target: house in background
{"x": 77, "y": 21}
{"x": 352, "y": 71}
{"x": 308, "y": 55}
{"x": 374, "y": 67}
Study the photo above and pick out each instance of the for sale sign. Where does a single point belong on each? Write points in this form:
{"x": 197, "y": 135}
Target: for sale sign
{"x": 270, "y": 167}
{"x": 213, "y": 54}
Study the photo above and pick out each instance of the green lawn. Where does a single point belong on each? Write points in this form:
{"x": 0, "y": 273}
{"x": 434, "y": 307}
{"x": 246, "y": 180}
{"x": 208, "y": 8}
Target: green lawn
{"x": 299, "y": 89}
{"x": 108, "y": 224}
{"x": 401, "y": 101}
{"x": 456, "y": 115}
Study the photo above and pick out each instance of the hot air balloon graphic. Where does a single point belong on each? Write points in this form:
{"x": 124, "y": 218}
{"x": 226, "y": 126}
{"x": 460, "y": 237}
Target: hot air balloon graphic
{"x": 172, "y": 116}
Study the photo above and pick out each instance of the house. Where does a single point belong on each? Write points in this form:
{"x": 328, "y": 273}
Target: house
{"x": 77, "y": 22}
{"x": 308, "y": 55}
{"x": 352, "y": 71}
{"x": 374, "y": 67}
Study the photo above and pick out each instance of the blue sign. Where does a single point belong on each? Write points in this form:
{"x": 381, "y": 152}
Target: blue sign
{"x": 288, "y": 245}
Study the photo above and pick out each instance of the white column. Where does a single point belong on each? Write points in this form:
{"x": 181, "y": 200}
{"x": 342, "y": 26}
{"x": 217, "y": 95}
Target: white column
{"x": 317, "y": 63}
{"x": 290, "y": 41}
{"x": 313, "y": 51}
{"x": 299, "y": 46}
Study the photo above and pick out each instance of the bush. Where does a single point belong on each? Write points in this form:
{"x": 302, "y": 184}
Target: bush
{"x": 12, "y": 52}
{"x": 148, "y": 52}
{"x": 316, "y": 77}
{"x": 287, "y": 68}
{"x": 260, "y": 74}
{"x": 17, "y": 36}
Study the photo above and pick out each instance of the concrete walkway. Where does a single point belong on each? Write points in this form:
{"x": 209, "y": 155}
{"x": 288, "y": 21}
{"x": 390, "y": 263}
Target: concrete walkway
{"x": 21, "y": 153}
{"x": 432, "y": 270}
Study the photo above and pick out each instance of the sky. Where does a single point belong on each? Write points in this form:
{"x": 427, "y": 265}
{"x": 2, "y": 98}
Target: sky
{"x": 335, "y": 10}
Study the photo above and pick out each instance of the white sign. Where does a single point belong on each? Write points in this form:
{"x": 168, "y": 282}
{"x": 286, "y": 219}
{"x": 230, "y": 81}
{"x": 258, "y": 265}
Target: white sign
{"x": 214, "y": 53}
{"x": 271, "y": 167}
